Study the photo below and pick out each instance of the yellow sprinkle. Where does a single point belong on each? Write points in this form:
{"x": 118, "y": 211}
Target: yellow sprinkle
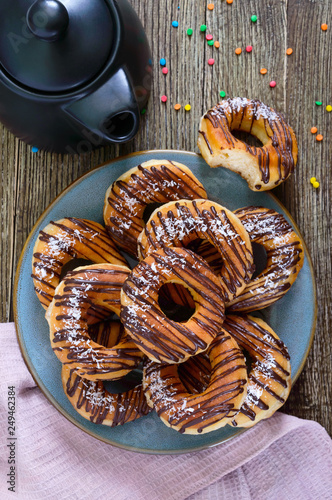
{"x": 313, "y": 179}
{"x": 187, "y": 107}
{"x": 315, "y": 184}
{"x": 329, "y": 108}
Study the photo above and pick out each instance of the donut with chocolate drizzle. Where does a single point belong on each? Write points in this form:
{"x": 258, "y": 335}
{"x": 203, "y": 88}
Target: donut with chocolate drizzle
{"x": 180, "y": 223}
{"x": 155, "y": 181}
{"x": 159, "y": 337}
{"x": 262, "y": 167}
{"x": 199, "y": 412}
{"x": 90, "y": 398}
{"x": 87, "y": 296}
{"x": 62, "y": 241}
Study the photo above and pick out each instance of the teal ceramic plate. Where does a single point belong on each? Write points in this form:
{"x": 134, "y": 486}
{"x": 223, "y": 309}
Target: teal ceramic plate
{"x": 293, "y": 317}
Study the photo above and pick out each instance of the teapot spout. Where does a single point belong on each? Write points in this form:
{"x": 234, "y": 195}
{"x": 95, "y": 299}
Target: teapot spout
{"x": 111, "y": 113}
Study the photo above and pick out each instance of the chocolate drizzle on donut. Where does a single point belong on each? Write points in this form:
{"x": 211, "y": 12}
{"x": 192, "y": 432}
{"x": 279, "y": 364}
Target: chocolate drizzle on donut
{"x": 151, "y": 182}
{"x": 270, "y": 372}
{"x": 284, "y": 258}
{"x": 247, "y": 115}
{"x": 63, "y": 241}
{"x": 161, "y": 338}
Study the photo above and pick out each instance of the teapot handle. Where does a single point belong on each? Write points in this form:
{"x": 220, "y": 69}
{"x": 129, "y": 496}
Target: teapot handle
{"x": 111, "y": 113}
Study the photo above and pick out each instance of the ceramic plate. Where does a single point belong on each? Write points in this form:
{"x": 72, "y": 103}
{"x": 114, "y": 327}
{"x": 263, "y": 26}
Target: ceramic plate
{"x": 292, "y": 318}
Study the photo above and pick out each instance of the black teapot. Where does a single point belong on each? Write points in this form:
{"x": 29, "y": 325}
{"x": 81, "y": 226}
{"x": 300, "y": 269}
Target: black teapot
{"x": 75, "y": 74}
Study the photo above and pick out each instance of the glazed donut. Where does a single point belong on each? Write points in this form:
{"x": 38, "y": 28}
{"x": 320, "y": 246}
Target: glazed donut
{"x": 203, "y": 412}
{"x": 284, "y": 258}
{"x": 93, "y": 402}
{"x": 86, "y": 296}
{"x": 90, "y": 398}
{"x": 155, "y": 181}
{"x": 262, "y": 167}
{"x": 269, "y": 379}
{"x": 62, "y": 241}
{"x": 159, "y": 337}
{"x": 180, "y": 223}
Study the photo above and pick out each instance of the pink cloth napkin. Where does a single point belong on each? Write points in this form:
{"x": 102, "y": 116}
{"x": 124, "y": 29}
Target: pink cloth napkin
{"x": 281, "y": 458}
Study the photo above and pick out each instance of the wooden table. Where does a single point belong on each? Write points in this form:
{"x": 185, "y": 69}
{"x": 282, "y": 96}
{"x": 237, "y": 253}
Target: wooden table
{"x": 30, "y": 181}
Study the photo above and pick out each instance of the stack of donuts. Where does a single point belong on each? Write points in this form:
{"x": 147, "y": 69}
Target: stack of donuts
{"x": 218, "y": 365}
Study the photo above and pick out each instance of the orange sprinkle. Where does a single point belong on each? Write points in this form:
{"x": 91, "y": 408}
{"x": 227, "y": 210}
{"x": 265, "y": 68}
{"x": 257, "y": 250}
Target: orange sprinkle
{"x": 229, "y": 1}
{"x": 313, "y": 130}
{"x": 238, "y": 51}
{"x": 324, "y": 27}
{"x": 177, "y": 107}
{"x": 319, "y": 137}
{"x": 217, "y": 45}
{"x": 263, "y": 71}
{"x": 210, "y": 6}
{"x": 289, "y": 51}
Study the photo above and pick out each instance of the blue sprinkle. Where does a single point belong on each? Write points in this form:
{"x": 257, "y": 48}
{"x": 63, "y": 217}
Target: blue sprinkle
{"x": 175, "y": 24}
{"x": 162, "y": 62}
{"x": 150, "y": 62}
{"x": 34, "y": 149}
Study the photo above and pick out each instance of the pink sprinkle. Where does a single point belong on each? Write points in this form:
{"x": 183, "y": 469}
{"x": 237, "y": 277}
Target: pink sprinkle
{"x": 211, "y": 62}
{"x": 209, "y": 37}
{"x": 249, "y": 48}
{"x": 273, "y": 84}
{"x": 164, "y": 98}
{"x": 165, "y": 71}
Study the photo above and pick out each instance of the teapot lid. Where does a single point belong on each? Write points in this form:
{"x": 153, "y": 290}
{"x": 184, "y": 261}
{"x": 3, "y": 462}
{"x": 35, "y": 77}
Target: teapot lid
{"x": 54, "y": 46}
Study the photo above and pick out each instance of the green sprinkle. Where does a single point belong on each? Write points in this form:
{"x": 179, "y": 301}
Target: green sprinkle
{"x": 222, "y": 93}
{"x": 190, "y": 31}
{"x": 143, "y": 111}
{"x": 210, "y": 42}
{"x": 319, "y": 103}
{"x": 254, "y": 18}
{"x": 203, "y": 28}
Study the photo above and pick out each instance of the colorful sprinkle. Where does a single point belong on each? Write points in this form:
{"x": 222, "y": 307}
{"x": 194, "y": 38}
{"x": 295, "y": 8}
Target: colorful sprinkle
{"x": 165, "y": 71}
{"x": 248, "y": 48}
{"x": 211, "y": 62}
{"x": 315, "y": 184}
{"x": 164, "y": 98}
{"x": 238, "y": 51}
{"x": 209, "y": 37}
{"x": 177, "y": 107}
{"x": 273, "y": 84}
{"x": 187, "y": 107}
{"x": 313, "y": 179}
{"x": 329, "y": 108}
{"x": 318, "y": 103}
{"x": 313, "y": 130}
{"x": 319, "y": 137}
{"x": 203, "y": 28}
{"x": 162, "y": 62}
{"x": 34, "y": 149}
{"x": 254, "y": 18}
{"x": 229, "y": 1}
{"x": 217, "y": 45}
{"x": 210, "y": 42}
{"x": 222, "y": 93}
{"x": 324, "y": 27}
{"x": 143, "y": 111}
{"x": 210, "y": 6}
{"x": 175, "y": 24}
{"x": 263, "y": 71}
{"x": 190, "y": 31}
{"x": 289, "y": 52}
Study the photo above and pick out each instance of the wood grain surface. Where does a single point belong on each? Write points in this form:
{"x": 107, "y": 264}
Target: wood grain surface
{"x": 30, "y": 181}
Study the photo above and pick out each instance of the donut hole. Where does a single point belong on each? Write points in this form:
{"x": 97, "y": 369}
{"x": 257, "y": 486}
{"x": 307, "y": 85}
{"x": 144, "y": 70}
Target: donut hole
{"x": 167, "y": 300}
{"x": 260, "y": 259}
{"x": 149, "y": 209}
{"x": 206, "y": 250}
{"x": 248, "y": 138}
{"x": 73, "y": 264}
{"x": 195, "y": 374}
{"x": 131, "y": 380}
